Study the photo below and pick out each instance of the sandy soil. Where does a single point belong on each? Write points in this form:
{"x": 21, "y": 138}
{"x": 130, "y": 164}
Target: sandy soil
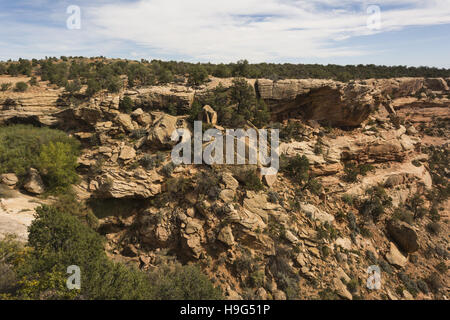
{"x": 16, "y": 212}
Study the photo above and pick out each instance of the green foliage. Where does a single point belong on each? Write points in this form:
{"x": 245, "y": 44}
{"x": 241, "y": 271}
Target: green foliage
{"x": 235, "y": 105}
{"x": 348, "y": 199}
{"x": 126, "y": 105}
{"x": 434, "y": 228}
{"x": 328, "y": 294}
{"x": 21, "y": 86}
{"x": 298, "y": 169}
{"x": 197, "y": 75}
{"x": 94, "y": 86}
{"x": 208, "y": 184}
{"x": 50, "y": 151}
{"x": 182, "y": 283}
{"x": 252, "y": 181}
{"x": 73, "y": 86}
{"x": 33, "y": 81}
{"x": 403, "y": 215}
{"x": 5, "y": 86}
{"x": 113, "y": 84}
{"x": 376, "y": 203}
{"x": 438, "y": 162}
{"x": 273, "y": 196}
{"x": 409, "y": 283}
{"x": 58, "y": 163}
{"x": 195, "y": 111}
{"x": 415, "y": 204}
{"x": 257, "y": 279}
{"x": 434, "y": 282}
{"x": 442, "y": 267}
{"x": 144, "y": 73}
{"x": 352, "y": 171}
{"x": 327, "y": 231}
{"x": 58, "y": 240}
{"x": 151, "y": 161}
{"x": 292, "y": 130}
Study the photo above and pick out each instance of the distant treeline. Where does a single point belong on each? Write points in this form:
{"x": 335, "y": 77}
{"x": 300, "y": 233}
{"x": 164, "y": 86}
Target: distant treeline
{"x": 101, "y": 73}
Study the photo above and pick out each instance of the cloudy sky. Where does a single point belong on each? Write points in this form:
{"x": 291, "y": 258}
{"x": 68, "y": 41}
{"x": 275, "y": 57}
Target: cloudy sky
{"x": 388, "y": 32}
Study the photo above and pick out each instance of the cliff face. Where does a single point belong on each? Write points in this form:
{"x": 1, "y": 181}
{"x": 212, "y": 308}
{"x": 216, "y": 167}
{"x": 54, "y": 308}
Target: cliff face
{"x": 282, "y": 241}
{"x": 336, "y": 103}
{"x": 339, "y": 104}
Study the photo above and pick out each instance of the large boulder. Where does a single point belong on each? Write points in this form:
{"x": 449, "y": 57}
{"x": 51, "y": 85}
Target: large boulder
{"x": 226, "y": 236}
{"x": 403, "y": 235}
{"x": 143, "y": 118}
{"x": 160, "y": 134}
{"x": 9, "y": 179}
{"x": 127, "y": 153}
{"x": 395, "y": 257}
{"x": 124, "y": 120}
{"x": 121, "y": 184}
{"x": 33, "y": 183}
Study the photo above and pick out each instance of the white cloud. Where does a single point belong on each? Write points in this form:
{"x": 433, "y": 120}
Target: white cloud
{"x": 219, "y": 31}
{"x": 259, "y": 30}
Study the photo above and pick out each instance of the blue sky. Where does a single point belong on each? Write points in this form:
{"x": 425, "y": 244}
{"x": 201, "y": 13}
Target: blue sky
{"x": 392, "y": 32}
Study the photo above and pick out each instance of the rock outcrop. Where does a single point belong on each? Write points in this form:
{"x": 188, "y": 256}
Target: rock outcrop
{"x": 335, "y": 102}
{"x": 34, "y": 183}
{"x": 160, "y": 133}
{"x": 403, "y": 235}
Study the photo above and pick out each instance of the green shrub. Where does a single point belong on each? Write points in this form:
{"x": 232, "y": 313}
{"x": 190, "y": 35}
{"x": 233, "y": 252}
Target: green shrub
{"x": 256, "y": 279}
{"x": 50, "y": 151}
{"x": 441, "y": 267}
{"x": 8, "y": 280}
{"x": 208, "y": 184}
{"x": 182, "y": 283}
{"x": 33, "y": 81}
{"x": 296, "y": 167}
{"x": 113, "y": 84}
{"x": 403, "y": 215}
{"x": 434, "y": 282}
{"x": 73, "y": 86}
{"x": 126, "y": 105}
{"x": 21, "y": 87}
{"x": 197, "y": 75}
{"x": 433, "y": 228}
{"x": 273, "y": 196}
{"x": 376, "y": 203}
{"x": 94, "y": 86}
{"x": 252, "y": 181}
{"x": 58, "y": 163}
{"x": 293, "y": 130}
{"x": 58, "y": 240}
{"x": 5, "y": 86}
{"x": 348, "y": 199}
{"x": 352, "y": 171}
{"x": 434, "y": 215}
{"x": 9, "y": 103}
